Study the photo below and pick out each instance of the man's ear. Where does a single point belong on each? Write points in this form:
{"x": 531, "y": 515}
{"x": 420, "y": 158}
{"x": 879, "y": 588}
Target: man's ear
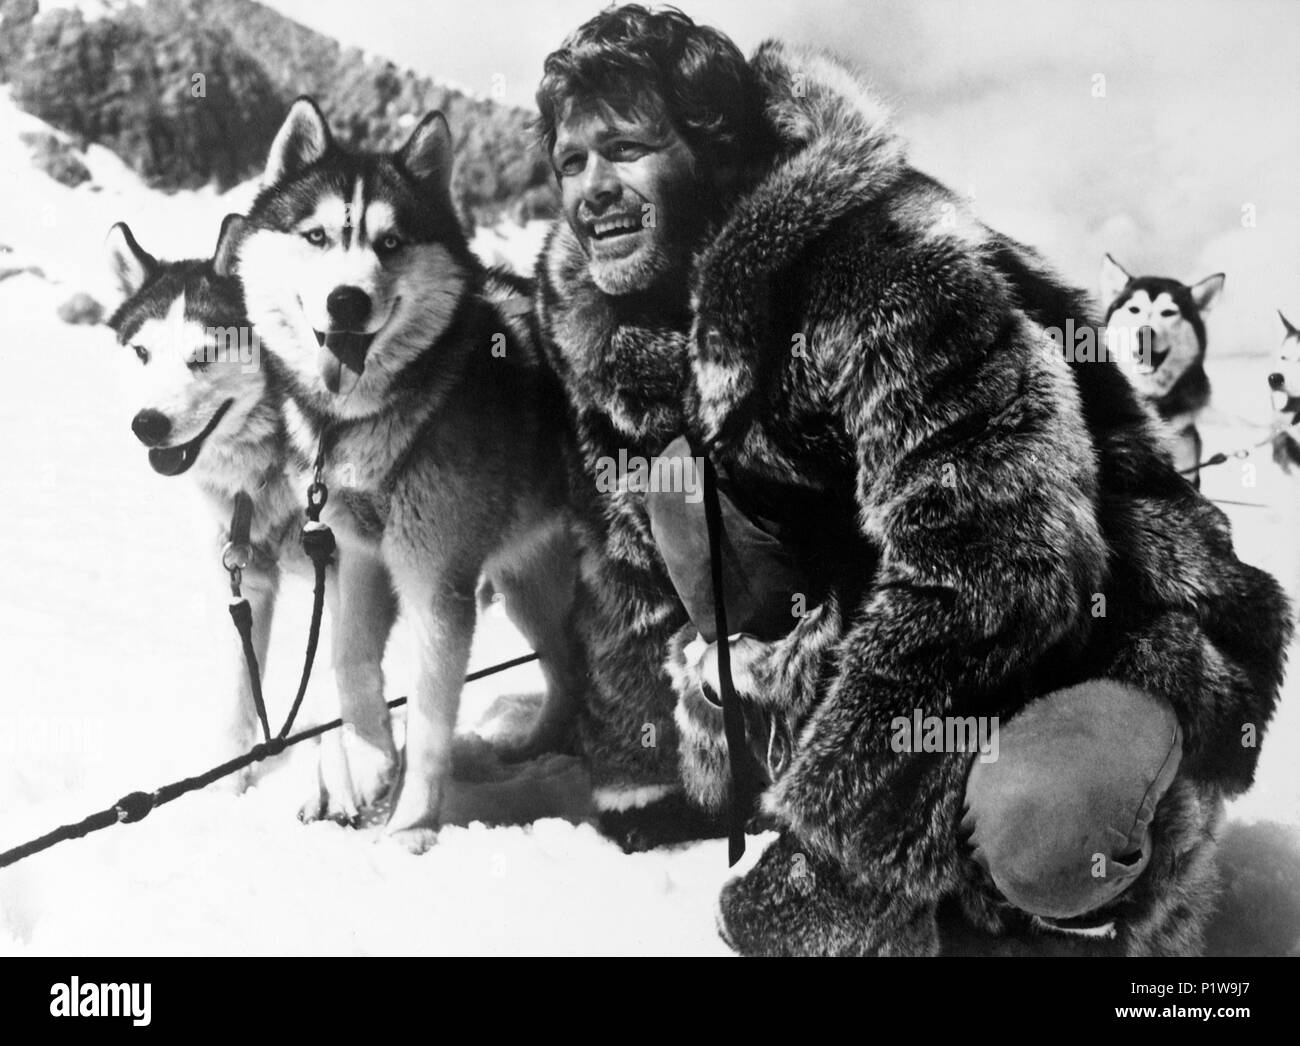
{"x": 302, "y": 140}
{"x": 1112, "y": 280}
{"x": 1205, "y": 292}
{"x": 232, "y": 231}
{"x": 131, "y": 265}
{"x": 427, "y": 154}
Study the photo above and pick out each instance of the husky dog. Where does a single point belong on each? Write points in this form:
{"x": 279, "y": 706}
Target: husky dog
{"x": 208, "y": 405}
{"x": 1284, "y": 386}
{"x": 426, "y": 403}
{"x": 1160, "y": 320}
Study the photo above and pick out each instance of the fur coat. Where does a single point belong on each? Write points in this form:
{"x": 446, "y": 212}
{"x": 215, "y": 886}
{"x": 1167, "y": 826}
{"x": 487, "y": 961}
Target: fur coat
{"x": 870, "y": 367}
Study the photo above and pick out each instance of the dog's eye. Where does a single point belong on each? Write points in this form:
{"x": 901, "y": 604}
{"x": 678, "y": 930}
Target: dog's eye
{"x": 1168, "y": 312}
{"x": 316, "y": 237}
{"x": 141, "y": 353}
{"x": 388, "y": 244}
{"x": 1134, "y": 309}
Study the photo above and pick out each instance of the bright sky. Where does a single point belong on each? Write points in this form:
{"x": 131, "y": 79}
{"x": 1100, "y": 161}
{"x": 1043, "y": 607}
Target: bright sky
{"x": 925, "y": 48}
{"x": 1195, "y": 129}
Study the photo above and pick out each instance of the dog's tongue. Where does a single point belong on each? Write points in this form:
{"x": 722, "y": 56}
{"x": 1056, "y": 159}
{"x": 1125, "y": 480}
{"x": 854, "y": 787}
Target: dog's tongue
{"x": 342, "y": 359}
{"x": 171, "y": 461}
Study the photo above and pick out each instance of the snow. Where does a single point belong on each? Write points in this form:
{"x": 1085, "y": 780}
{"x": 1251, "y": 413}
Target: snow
{"x": 113, "y": 631}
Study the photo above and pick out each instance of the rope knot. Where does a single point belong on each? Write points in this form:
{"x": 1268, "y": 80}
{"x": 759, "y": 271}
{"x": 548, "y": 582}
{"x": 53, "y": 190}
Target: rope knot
{"x": 134, "y": 807}
{"x": 266, "y": 749}
{"x": 317, "y": 541}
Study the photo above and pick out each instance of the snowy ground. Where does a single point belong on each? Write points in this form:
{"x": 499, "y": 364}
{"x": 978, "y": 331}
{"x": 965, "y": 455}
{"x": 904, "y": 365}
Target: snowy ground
{"x": 111, "y": 620}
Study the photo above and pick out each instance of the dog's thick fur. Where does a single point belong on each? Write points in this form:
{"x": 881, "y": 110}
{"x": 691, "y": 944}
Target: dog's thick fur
{"x": 967, "y": 498}
{"x": 442, "y": 456}
{"x": 167, "y": 308}
{"x": 170, "y": 309}
{"x": 1161, "y": 321}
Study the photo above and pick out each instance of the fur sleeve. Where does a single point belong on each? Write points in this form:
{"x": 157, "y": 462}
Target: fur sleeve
{"x": 977, "y": 482}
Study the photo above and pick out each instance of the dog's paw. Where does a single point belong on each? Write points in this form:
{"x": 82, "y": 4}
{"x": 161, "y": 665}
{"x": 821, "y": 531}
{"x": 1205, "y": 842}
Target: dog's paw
{"x": 411, "y": 840}
{"x": 354, "y": 777}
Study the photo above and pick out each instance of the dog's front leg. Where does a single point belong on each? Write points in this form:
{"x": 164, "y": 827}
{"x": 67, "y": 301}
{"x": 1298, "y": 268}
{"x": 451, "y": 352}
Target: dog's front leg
{"x": 443, "y": 617}
{"x": 243, "y": 730}
{"x": 358, "y": 764}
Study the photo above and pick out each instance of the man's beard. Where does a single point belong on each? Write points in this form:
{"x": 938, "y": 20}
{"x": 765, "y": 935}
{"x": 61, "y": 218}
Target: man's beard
{"x": 666, "y": 259}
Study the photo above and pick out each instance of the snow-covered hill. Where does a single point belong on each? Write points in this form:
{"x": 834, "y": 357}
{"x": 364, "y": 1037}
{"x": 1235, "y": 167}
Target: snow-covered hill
{"x": 112, "y": 643}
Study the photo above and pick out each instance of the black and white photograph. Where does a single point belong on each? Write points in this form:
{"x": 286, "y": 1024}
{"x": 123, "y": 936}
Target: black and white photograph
{"x": 727, "y": 479}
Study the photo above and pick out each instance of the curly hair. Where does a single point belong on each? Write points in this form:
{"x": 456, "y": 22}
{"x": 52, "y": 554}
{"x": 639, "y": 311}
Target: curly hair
{"x": 658, "y": 64}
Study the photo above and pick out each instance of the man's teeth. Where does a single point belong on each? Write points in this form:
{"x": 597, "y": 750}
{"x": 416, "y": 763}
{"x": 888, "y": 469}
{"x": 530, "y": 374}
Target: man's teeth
{"x": 618, "y": 224}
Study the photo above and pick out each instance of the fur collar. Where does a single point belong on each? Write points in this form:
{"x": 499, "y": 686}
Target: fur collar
{"x": 837, "y": 153}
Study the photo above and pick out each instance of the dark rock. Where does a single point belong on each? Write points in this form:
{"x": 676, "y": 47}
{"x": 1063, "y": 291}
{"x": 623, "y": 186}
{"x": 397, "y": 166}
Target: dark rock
{"x": 57, "y": 158}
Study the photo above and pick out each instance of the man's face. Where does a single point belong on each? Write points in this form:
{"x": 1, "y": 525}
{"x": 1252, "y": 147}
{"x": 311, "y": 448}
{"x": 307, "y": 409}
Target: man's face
{"x": 630, "y": 195}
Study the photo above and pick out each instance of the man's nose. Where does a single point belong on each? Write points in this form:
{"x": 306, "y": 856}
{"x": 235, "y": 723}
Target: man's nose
{"x": 600, "y": 185}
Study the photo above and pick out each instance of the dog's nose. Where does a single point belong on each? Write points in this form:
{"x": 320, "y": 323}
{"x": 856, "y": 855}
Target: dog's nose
{"x": 151, "y": 427}
{"x": 349, "y": 307}
{"x": 1276, "y": 381}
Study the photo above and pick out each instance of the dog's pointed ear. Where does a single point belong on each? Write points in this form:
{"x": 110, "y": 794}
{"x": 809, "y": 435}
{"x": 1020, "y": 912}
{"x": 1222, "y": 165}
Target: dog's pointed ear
{"x": 1112, "y": 280}
{"x": 131, "y": 265}
{"x": 303, "y": 139}
{"x": 427, "y": 154}
{"x": 1205, "y": 292}
{"x": 232, "y": 231}
{"x": 1291, "y": 331}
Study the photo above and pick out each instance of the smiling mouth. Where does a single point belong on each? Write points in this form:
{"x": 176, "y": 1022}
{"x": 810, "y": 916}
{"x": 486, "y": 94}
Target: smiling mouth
{"x": 172, "y": 461}
{"x": 615, "y": 226}
{"x": 1157, "y": 359}
{"x": 346, "y": 349}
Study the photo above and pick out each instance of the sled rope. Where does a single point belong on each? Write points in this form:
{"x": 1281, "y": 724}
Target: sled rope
{"x": 135, "y": 806}
{"x": 318, "y": 542}
{"x": 733, "y": 720}
{"x": 235, "y": 556}
{"x": 1240, "y": 453}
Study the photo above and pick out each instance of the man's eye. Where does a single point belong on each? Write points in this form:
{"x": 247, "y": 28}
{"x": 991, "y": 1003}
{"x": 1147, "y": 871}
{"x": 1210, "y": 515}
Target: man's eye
{"x": 141, "y": 353}
{"x": 316, "y": 237}
{"x": 570, "y": 165}
{"x": 388, "y": 244}
{"x": 627, "y": 151}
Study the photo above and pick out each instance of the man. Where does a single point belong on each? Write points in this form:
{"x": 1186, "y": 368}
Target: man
{"x": 963, "y": 525}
